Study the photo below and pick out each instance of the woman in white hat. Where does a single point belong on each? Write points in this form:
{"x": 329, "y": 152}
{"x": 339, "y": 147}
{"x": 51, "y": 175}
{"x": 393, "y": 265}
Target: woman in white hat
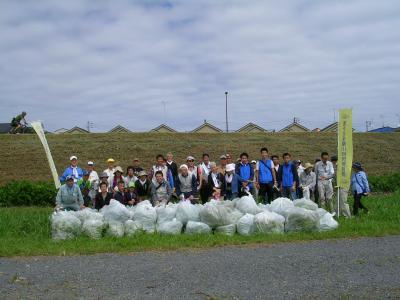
{"x": 231, "y": 182}
{"x": 117, "y": 177}
{"x": 308, "y": 181}
{"x": 186, "y": 185}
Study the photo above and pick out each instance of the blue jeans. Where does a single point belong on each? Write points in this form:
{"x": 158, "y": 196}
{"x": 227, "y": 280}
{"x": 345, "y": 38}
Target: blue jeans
{"x": 288, "y": 193}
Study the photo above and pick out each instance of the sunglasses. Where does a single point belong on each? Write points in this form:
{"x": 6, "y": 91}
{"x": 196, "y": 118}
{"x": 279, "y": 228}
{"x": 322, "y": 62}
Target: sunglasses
{"x": 191, "y": 160}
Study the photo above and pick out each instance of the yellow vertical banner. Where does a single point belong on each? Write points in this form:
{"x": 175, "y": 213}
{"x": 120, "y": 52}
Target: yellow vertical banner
{"x": 345, "y": 148}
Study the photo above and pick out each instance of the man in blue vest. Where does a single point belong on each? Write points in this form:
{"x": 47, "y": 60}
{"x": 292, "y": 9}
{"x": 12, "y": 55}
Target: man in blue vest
{"x": 72, "y": 170}
{"x": 265, "y": 177}
{"x": 288, "y": 177}
{"x": 246, "y": 174}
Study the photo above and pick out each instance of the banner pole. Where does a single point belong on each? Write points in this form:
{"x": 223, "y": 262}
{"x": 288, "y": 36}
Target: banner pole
{"x": 37, "y": 126}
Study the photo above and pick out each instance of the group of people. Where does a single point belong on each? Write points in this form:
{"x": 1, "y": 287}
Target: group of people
{"x": 266, "y": 179}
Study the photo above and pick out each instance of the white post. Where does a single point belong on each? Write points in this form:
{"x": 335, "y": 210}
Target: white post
{"x": 37, "y": 126}
{"x": 338, "y": 201}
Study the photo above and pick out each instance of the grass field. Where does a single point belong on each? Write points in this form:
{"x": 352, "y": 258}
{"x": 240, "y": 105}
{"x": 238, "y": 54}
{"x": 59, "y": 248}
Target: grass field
{"x": 22, "y": 156}
{"x": 26, "y": 232}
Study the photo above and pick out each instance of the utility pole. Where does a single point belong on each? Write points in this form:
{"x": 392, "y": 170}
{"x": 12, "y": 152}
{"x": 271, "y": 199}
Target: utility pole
{"x": 89, "y": 125}
{"x": 368, "y": 125}
{"x": 226, "y": 111}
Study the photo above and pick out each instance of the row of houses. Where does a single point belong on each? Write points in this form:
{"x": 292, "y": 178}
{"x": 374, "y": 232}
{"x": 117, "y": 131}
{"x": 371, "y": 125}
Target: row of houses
{"x": 207, "y": 127}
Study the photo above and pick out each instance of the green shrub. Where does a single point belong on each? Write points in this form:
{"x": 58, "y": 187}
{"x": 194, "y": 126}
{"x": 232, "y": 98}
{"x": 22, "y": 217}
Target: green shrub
{"x": 385, "y": 183}
{"x": 27, "y": 193}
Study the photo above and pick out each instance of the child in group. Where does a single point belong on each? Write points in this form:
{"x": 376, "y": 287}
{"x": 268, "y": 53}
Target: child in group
{"x": 359, "y": 187}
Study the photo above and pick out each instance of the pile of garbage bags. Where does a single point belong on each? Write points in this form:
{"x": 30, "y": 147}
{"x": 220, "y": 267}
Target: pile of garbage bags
{"x": 242, "y": 215}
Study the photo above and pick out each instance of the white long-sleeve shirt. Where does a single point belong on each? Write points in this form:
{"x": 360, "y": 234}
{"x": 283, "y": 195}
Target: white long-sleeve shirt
{"x": 324, "y": 170}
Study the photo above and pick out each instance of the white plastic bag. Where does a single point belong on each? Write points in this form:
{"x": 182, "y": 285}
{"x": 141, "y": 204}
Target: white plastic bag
{"x": 65, "y": 225}
{"x": 264, "y": 207}
{"x": 227, "y": 229}
{"x": 115, "y": 211}
{"x": 146, "y": 216}
{"x": 93, "y": 227}
{"x": 132, "y": 227}
{"x": 301, "y": 219}
{"x": 215, "y": 214}
{"x": 248, "y": 205}
{"x": 305, "y": 203}
{"x": 197, "y": 228}
{"x": 186, "y": 212}
{"x": 88, "y": 213}
{"x": 245, "y": 225}
{"x": 269, "y": 222}
{"x": 170, "y": 227}
{"x": 115, "y": 228}
{"x": 281, "y": 206}
{"x": 327, "y": 222}
{"x": 234, "y": 216}
{"x": 166, "y": 212}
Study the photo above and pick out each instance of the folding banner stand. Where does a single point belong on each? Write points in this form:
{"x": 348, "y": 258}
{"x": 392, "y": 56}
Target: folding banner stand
{"x": 37, "y": 126}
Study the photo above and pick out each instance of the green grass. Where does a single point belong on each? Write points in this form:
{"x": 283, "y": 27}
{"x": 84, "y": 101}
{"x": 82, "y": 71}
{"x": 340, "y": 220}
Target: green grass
{"x": 26, "y": 232}
{"x": 23, "y": 156}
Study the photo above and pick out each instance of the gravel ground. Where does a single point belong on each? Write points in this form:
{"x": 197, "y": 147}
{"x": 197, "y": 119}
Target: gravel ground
{"x": 367, "y": 268}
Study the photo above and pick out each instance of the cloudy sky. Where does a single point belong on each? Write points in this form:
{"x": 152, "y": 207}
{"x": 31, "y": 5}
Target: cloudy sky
{"x": 140, "y": 65}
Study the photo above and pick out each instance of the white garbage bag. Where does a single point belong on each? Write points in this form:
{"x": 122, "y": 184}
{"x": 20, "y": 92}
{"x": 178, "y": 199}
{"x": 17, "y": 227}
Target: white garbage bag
{"x": 269, "y": 222}
{"x": 264, "y": 207}
{"x": 132, "y": 227}
{"x": 215, "y": 214}
{"x": 115, "y": 228}
{"x": 170, "y": 227}
{"x": 93, "y": 227}
{"x": 131, "y": 210}
{"x": 227, "y": 229}
{"x": 305, "y": 203}
{"x": 166, "y": 212}
{"x": 301, "y": 219}
{"x": 65, "y": 225}
{"x": 248, "y": 205}
{"x": 186, "y": 212}
{"x": 327, "y": 222}
{"x": 245, "y": 225}
{"x": 88, "y": 213}
{"x": 197, "y": 228}
{"x": 321, "y": 212}
{"x": 234, "y": 216}
{"x": 281, "y": 206}
{"x": 146, "y": 216}
{"x": 115, "y": 211}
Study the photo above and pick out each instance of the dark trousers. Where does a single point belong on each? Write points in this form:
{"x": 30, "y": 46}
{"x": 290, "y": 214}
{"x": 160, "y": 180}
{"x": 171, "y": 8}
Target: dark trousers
{"x": 266, "y": 192}
{"x": 357, "y": 203}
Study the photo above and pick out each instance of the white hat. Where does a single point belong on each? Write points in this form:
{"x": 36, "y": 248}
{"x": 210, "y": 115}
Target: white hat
{"x": 184, "y": 166}
{"x": 230, "y": 167}
{"x": 189, "y": 158}
{"x": 73, "y": 157}
{"x": 253, "y": 162}
{"x": 90, "y": 163}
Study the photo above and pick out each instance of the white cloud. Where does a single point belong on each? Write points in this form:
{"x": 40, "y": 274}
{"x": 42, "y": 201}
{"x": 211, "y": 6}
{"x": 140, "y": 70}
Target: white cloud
{"x": 67, "y": 62}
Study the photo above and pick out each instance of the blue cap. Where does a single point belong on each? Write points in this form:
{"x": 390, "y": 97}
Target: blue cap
{"x": 69, "y": 177}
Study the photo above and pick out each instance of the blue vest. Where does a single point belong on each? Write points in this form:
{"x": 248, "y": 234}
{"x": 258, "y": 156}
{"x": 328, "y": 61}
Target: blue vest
{"x": 245, "y": 173}
{"x": 287, "y": 175}
{"x": 264, "y": 171}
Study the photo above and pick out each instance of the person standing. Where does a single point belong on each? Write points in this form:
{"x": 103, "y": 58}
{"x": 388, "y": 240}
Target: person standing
{"x": 276, "y": 191}
{"x": 324, "y": 172}
{"x": 159, "y": 166}
{"x": 359, "y": 187}
{"x": 72, "y": 170}
{"x": 85, "y": 187}
{"x": 204, "y": 170}
{"x": 222, "y": 164}
{"x": 130, "y": 176}
{"x": 161, "y": 190}
{"x": 104, "y": 178}
{"x": 136, "y": 166}
{"x": 265, "y": 177}
{"x": 117, "y": 177}
{"x": 308, "y": 181}
{"x": 172, "y": 167}
{"x": 110, "y": 171}
{"x": 231, "y": 182}
{"x": 288, "y": 177}
{"x": 69, "y": 195}
{"x": 93, "y": 179}
{"x": 246, "y": 175}
{"x": 344, "y": 208}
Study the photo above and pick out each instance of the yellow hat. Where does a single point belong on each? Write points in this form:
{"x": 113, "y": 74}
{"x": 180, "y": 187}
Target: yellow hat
{"x": 110, "y": 160}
